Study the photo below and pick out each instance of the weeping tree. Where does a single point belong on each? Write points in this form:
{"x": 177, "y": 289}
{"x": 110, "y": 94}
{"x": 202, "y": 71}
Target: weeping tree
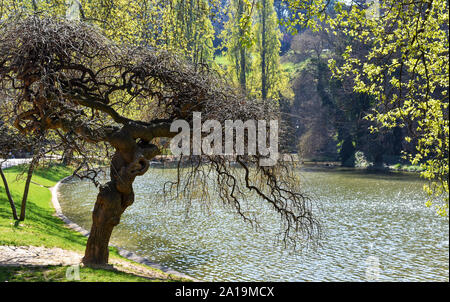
{"x": 65, "y": 79}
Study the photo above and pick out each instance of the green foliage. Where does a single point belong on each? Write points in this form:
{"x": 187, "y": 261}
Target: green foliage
{"x": 405, "y": 70}
{"x": 251, "y": 40}
{"x": 238, "y": 48}
{"x": 271, "y": 81}
{"x": 183, "y": 26}
{"x": 187, "y": 29}
{"x": 407, "y": 168}
{"x": 397, "y": 166}
{"x": 117, "y": 18}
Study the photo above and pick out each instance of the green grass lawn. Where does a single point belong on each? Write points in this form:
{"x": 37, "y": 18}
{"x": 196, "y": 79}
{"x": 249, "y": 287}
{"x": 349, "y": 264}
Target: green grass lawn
{"x": 41, "y": 228}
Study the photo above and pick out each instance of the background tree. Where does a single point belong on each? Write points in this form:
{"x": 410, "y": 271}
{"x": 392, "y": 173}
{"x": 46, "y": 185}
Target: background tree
{"x": 238, "y": 40}
{"x": 251, "y": 43}
{"x": 328, "y": 113}
{"x": 10, "y": 142}
{"x": 188, "y": 29}
{"x": 272, "y": 80}
{"x": 405, "y": 71}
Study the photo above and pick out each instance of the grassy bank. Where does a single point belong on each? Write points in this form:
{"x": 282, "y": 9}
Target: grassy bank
{"x": 41, "y": 228}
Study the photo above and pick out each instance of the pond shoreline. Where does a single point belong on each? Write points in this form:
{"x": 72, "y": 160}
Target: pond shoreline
{"x": 124, "y": 253}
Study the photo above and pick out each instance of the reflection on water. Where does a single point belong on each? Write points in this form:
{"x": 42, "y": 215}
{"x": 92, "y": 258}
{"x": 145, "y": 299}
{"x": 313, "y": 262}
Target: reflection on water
{"x": 376, "y": 228}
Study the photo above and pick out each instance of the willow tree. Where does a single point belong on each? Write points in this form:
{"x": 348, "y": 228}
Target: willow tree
{"x": 187, "y": 29}
{"x": 251, "y": 43}
{"x": 238, "y": 40}
{"x": 268, "y": 46}
{"x": 66, "y": 77}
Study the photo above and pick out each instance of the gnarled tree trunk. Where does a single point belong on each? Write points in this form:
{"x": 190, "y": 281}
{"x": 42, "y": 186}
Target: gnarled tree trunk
{"x": 112, "y": 200}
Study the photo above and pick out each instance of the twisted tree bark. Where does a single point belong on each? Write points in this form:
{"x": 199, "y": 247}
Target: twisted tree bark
{"x": 113, "y": 198}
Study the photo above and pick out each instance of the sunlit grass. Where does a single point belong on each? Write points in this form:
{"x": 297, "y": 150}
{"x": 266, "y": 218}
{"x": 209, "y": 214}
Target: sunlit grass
{"x": 41, "y": 228}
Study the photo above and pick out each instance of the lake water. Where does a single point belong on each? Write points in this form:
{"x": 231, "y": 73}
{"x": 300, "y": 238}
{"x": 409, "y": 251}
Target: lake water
{"x": 376, "y": 227}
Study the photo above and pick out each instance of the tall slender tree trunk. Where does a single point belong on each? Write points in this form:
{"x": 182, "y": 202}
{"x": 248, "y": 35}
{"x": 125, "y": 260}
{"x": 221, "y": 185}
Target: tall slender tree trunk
{"x": 242, "y": 75}
{"x": 242, "y": 79}
{"x": 8, "y": 193}
{"x": 23, "y": 206}
{"x": 263, "y": 53}
{"x": 190, "y": 31}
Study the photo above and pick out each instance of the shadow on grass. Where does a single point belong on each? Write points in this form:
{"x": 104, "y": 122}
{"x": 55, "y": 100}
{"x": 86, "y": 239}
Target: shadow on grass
{"x": 40, "y": 226}
{"x": 59, "y": 273}
{"x": 58, "y": 171}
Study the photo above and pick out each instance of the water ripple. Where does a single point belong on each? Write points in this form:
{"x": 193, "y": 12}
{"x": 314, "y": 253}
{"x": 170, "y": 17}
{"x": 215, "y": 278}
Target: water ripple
{"x": 374, "y": 224}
